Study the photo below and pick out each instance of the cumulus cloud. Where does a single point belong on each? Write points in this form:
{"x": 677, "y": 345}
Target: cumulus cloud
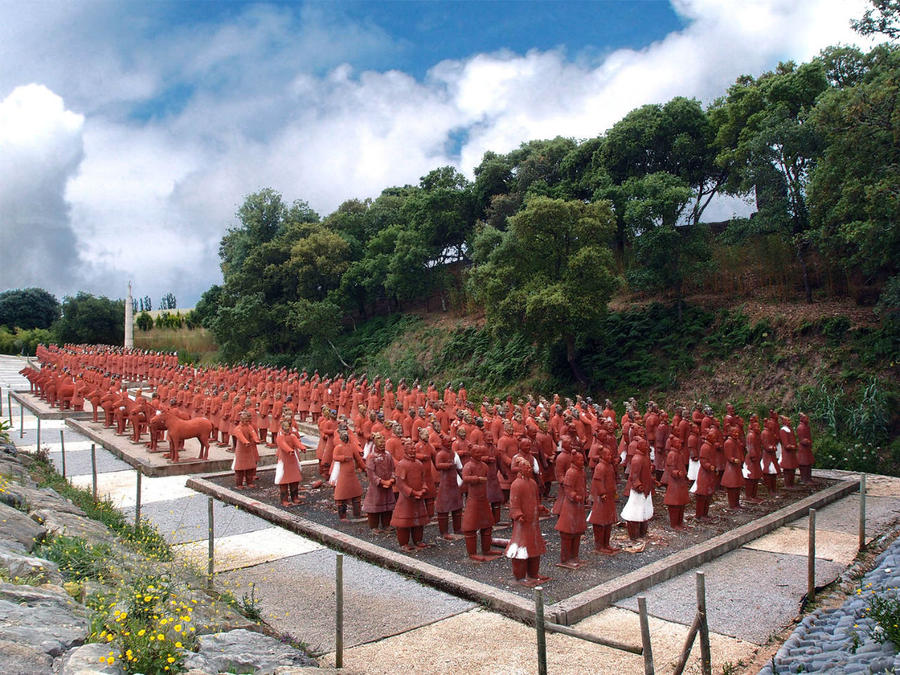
{"x": 40, "y": 149}
{"x": 181, "y": 124}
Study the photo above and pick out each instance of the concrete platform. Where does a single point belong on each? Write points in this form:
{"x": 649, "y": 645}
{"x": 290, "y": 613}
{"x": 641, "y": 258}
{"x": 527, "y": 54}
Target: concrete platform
{"x": 43, "y": 410}
{"x": 567, "y": 611}
{"x": 155, "y": 464}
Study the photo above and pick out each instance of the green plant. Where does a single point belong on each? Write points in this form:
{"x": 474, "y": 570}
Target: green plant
{"x": 146, "y": 625}
{"x": 76, "y": 557}
{"x": 144, "y": 537}
{"x": 5, "y": 426}
{"x": 885, "y": 610}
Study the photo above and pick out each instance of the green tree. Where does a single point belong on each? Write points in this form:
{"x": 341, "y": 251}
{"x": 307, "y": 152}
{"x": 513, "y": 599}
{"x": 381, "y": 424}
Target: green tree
{"x": 854, "y": 191}
{"x": 144, "y": 321}
{"x": 549, "y": 275}
{"x": 882, "y": 17}
{"x": 28, "y": 308}
{"x": 666, "y": 252}
{"x": 771, "y": 147}
{"x": 89, "y": 319}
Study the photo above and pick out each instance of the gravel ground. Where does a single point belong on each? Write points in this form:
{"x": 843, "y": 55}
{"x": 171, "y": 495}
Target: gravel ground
{"x": 663, "y": 541}
{"x": 841, "y": 640}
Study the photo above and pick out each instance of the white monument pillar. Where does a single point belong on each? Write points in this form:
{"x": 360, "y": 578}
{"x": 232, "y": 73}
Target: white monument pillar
{"x": 129, "y": 319}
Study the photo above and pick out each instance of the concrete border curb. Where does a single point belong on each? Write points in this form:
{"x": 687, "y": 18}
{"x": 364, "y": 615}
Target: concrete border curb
{"x": 505, "y": 602}
{"x": 600, "y": 597}
{"x": 183, "y": 468}
{"x": 566, "y": 612}
{"x": 44, "y": 411}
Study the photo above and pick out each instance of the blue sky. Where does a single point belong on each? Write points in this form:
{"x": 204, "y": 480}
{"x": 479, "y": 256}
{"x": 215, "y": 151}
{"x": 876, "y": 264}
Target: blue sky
{"x": 131, "y": 131}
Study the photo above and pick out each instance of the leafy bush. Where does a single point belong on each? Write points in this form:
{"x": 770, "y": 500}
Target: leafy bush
{"x": 144, "y": 321}
{"x": 23, "y": 341}
{"x": 77, "y": 559}
{"x": 152, "y": 632}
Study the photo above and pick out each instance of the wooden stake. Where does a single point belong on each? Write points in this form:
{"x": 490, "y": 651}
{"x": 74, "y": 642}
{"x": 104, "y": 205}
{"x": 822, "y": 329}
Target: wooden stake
{"x": 862, "y": 512}
{"x": 551, "y": 627}
{"x": 539, "y": 628}
{"x": 210, "y": 535}
{"x": 339, "y": 611}
{"x": 688, "y": 644}
{"x": 811, "y": 559}
{"x": 62, "y": 447}
{"x": 94, "y": 469}
{"x": 137, "y": 500}
{"x": 705, "y": 656}
{"x": 645, "y": 636}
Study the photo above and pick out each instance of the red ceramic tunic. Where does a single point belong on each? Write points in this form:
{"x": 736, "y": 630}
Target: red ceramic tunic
{"x": 706, "y": 476}
{"x": 677, "y": 491}
{"x": 477, "y": 514}
{"x": 288, "y": 470}
{"x": 526, "y": 540}
{"x": 571, "y": 514}
{"x": 734, "y": 460}
{"x": 379, "y": 467}
{"x": 603, "y": 493}
{"x": 347, "y": 485}
{"x": 409, "y": 511}
{"x": 245, "y": 454}
{"x": 804, "y": 443}
{"x": 788, "y": 447}
{"x": 754, "y": 455}
{"x": 449, "y": 497}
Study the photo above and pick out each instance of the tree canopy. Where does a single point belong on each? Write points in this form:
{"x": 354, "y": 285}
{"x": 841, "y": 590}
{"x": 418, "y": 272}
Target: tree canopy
{"x": 28, "y": 308}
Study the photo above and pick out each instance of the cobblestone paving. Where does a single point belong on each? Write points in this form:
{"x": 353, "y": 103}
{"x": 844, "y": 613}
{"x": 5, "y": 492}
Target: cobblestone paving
{"x": 841, "y": 640}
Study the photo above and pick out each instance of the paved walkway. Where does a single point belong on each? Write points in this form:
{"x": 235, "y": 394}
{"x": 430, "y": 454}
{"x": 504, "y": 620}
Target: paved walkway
{"x": 393, "y": 623}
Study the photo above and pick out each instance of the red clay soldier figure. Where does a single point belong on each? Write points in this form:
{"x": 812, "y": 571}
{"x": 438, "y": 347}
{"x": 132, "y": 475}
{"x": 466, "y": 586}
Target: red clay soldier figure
{"x": 380, "y": 498}
{"x": 347, "y": 487}
{"x": 477, "y": 517}
{"x": 287, "y": 472}
{"x": 246, "y": 455}
{"x": 571, "y": 523}
{"x": 677, "y": 495}
{"x": 410, "y": 515}
{"x": 526, "y": 543}
{"x": 732, "y": 478}
{"x": 603, "y": 493}
{"x": 804, "y": 451}
{"x": 449, "y": 498}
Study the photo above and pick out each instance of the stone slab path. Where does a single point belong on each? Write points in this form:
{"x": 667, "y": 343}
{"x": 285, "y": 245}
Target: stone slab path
{"x": 395, "y": 624}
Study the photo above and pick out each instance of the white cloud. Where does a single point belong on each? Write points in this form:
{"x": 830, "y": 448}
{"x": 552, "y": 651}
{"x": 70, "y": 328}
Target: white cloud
{"x": 40, "y": 149}
{"x": 265, "y": 99}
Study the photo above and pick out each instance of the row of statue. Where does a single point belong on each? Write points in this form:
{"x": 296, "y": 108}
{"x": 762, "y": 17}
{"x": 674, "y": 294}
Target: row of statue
{"x": 427, "y": 455}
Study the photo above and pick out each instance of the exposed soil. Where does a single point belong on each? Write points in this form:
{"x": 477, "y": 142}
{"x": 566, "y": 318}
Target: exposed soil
{"x": 661, "y": 542}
